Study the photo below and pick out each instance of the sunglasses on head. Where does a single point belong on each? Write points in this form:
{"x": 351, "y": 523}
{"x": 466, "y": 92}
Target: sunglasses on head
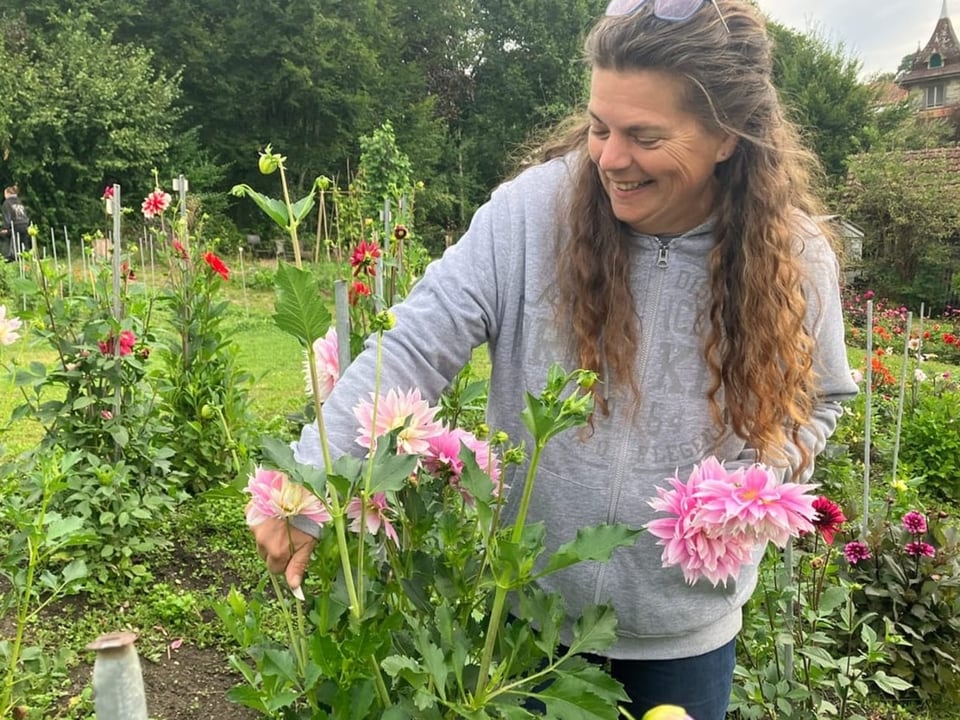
{"x": 669, "y": 10}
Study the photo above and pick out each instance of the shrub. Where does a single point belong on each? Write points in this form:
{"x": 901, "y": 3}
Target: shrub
{"x": 909, "y": 589}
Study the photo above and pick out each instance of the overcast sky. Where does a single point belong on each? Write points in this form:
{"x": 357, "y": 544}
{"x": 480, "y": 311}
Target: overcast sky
{"x": 878, "y": 32}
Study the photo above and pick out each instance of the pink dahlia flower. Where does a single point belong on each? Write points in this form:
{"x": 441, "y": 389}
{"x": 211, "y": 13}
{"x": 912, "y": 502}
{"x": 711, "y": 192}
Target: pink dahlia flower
{"x": 327, "y": 351}
{"x": 398, "y": 410}
{"x": 915, "y": 523}
{"x": 856, "y": 552}
{"x": 374, "y": 515}
{"x": 9, "y": 327}
{"x": 918, "y": 549}
{"x": 127, "y": 341}
{"x": 443, "y": 457}
{"x": 274, "y": 495}
{"x": 719, "y": 517}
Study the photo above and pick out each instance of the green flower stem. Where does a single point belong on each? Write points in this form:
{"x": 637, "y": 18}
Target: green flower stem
{"x": 291, "y": 220}
{"x": 317, "y": 407}
{"x": 23, "y": 603}
{"x": 230, "y": 443}
{"x": 296, "y": 641}
{"x": 368, "y": 476}
{"x": 500, "y": 597}
{"x": 378, "y": 682}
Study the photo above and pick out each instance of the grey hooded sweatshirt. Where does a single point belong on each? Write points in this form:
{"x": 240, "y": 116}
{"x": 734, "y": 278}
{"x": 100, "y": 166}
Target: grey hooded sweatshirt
{"x": 496, "y": 286}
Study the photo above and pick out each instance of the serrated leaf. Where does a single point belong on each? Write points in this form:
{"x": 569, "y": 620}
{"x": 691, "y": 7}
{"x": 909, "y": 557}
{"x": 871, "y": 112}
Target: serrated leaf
{"x": 300, "y": 311}
{"x": 566, "y": 700}
{"x": 391, "y": 471}
{"x": 591, "y": 543}
{"x": 595, "y": 629}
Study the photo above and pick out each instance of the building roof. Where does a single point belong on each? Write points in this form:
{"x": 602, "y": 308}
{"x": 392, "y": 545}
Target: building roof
{"x": 939, "y": 57}
{"x": 889, "y": 93}
{"x": 924, "y": 163}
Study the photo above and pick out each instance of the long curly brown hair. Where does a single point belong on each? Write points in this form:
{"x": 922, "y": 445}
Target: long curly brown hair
{"x": 756, "y": 344}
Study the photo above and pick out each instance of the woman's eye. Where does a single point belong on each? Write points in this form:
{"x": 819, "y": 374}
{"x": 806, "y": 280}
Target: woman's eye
{"x": 599, "y": 131}
{"x": 647, "y": 142}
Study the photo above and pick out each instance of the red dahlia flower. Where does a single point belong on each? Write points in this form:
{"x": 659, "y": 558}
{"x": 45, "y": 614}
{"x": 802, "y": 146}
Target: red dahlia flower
{"x": 828, "y": 519}
{"x": 217, "y": 264}
{"x": 364, "y": 258}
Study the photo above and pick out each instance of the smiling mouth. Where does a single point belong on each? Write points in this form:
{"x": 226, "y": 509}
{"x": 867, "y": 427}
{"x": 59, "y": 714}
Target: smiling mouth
{"x": 627, "y": 187}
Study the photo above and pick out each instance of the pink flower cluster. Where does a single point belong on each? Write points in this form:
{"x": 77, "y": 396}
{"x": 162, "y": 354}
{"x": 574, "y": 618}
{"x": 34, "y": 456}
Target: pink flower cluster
{"x": 275, "y": 495}
{"x": 421, "y": 434}
{"x": 719, "y": 517}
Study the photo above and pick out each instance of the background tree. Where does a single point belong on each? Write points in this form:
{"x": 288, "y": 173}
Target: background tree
{"x": 820, "y": 86}
{"x": 908, "y": 203}
{"x": 82, "y": 112}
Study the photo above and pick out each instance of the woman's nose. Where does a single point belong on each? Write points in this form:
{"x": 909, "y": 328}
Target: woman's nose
{"x": 615, "y": 153}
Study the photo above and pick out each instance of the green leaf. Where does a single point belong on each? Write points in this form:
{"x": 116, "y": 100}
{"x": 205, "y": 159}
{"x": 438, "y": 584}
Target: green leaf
{"x": 248, "y": 697}
{"x": 280, "y": 662}
{"x": 595, "y": 629}
{"x": 302, "y": 207}
{"x": 591, "y": 543}
{"x": 75, "y": 570}
{"x": 274, "y": 209}
{"x": 300, "y": 311}
{"x": 567, "y": 699}
{"x": 390, "y": 471}
{"x": 61, "y": 527}
{"x": 434, "y": 659}
{"x": 889, "y": 684}
{"x": 277, "y": 452}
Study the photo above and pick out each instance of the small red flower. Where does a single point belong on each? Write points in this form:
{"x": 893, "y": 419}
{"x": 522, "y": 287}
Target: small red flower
{"x": 828, "y": 519}
{"x": 107, "y": 193}
{"x": 217, "y": 264}
{"x": 358, "y": 290}
{"x": 179, "y": 249}
{"x": 399, "y": 232}
{"x": 364, "y": 258}
{"x": 127, "y": 341}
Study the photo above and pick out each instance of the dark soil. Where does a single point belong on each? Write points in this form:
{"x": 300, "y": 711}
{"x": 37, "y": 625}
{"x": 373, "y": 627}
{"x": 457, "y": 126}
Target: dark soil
{"x": 189, "y": 684}
{"x": 182, "y": 680}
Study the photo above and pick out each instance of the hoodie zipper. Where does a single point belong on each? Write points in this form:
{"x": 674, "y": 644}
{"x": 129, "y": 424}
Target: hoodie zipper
{"x": 620, "y": 470}
{"x": 663, "y": 252}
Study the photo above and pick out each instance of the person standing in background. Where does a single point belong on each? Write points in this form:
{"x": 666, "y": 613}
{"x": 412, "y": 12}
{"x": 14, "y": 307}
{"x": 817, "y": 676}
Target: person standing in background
{"x": 13, "y": 232}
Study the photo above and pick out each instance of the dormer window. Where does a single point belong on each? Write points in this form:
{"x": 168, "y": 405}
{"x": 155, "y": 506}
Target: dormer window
{"x": 935, "y": 61}
{"x": 933, "y": 96}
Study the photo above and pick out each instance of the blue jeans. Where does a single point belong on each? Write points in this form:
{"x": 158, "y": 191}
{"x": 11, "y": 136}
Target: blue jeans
{"x": 699, "y": 684}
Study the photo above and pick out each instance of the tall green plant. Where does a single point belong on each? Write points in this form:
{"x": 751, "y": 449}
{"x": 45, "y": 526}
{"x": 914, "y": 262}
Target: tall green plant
{"x": 419, "y": 627}
{"x": 33, "y": 547}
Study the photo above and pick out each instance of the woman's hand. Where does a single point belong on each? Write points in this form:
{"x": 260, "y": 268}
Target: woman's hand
{"x": 284, "y": 548}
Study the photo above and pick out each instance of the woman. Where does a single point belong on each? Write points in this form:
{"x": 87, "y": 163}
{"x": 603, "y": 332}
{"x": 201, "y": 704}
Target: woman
{"x": 665, "y": 242}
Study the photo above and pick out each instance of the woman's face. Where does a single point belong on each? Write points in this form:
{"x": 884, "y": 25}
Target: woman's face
{"x": 655, "y": 160}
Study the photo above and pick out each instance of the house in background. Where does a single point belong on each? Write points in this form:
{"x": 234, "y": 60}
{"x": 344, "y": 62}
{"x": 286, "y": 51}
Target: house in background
{"x": 851, "y": 237}
{"x": 933, "y": 79}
